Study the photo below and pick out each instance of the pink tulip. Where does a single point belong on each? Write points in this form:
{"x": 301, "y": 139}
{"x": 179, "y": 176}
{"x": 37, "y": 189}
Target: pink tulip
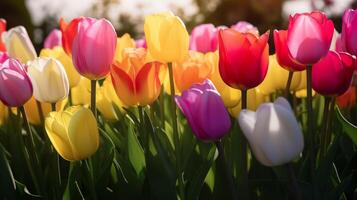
{"x": 141, "y": 43}
{"x": 3, "y": 56}
{"x": 349, "y": 32}
{"x": 332, "y": 75}
{"x": 205, "y": 112}
{"x": 94, "y": 48}
{"x": 245, "y": 27}
{"x": 204, "y": 38}
{"x": 15, "y": 84}
{"x": 309, "y": 37}
{"x": 53, "y": 39}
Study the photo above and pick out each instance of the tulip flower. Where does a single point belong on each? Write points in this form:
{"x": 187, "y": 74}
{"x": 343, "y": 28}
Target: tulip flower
{"x": 4, "y": 112}
{"x": 332, "y": 75}
{"x": 194, "y": 69}
{"x": 92, "y": 56}
{"x": 73, "y": 132}
{"x": 2, "y": 29}
{"x": 107, "y": 99}
{"x": 123, "y": 42}
{"x": 282, "y": 52}
{"x": 140, "y": 43}
{"x": 49, "y": 79}
{"x": 69, "y": 31}
{"x": 18, "y": 44}
{"x": 59, "y": 54}
{"x": 15, "y": 84}
{"x": 273, "y": 132}
{"x": 243, "y": 58}
{"x": 205, "y": 112}
{"x": 136, "y": 81}
{"x": 349, "y": 31}
{"x": 255, "y": 99}
{"x": 204, "y": 38}
{"x": 53, "y": 39}
{"x": 309, "y": 37}
{"x": 245, "y": 27}
{"x": 347, "y": 99}
{"x": 81, "y": 92}
{"x": 166, "y": 37}
{"x": 3, "y": 56}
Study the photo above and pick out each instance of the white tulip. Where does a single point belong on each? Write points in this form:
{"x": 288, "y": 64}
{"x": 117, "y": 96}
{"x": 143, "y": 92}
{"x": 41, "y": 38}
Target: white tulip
{"x": 18, "y": 44}
{"x": 273, "y": 132}
{"x": 49, "y": 80}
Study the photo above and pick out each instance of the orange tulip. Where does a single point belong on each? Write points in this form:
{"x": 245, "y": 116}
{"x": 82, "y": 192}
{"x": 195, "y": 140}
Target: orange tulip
{"x": 136, "y": 81}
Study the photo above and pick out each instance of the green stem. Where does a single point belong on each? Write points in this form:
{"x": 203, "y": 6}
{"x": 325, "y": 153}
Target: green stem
{"x": 40, "y": 111}
{"x": 226, "y": 169}
{"x": 329, "y": 120}
{"x": 162, "y": 106}
{"x": 89, "y": 164}
{"x": 53, "y": 107}
{"x": 93, "y": 84}
{"x": 244, "y": 162}
{"x": 70, "y": 97}
{"x": 288, "y": 84}
{"x": 294, "y": 183}
{"x": 58, "y": 164}
{"x": 310, "y": 116}
{"x": 324, "y": 127}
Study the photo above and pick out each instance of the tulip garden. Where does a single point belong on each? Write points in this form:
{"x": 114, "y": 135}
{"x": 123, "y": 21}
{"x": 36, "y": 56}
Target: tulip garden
{"x": 210, "y": 114}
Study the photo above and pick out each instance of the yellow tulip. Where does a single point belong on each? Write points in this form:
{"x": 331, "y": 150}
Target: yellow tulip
{"x": 230, "y": 96}
{"x": 81, "y": 92}
{"x": 166, "y": 37}
{"x": 107, "y": 99}
{"x": 123, "y": 42}
{"x": 60, "y": 55}
{"x": 18, "y": 44}
{"x": 4, "y": 113}
{"x": 194, "y": 69}
{"x": 32, "y": 113}
{"x": 73, "y": 132}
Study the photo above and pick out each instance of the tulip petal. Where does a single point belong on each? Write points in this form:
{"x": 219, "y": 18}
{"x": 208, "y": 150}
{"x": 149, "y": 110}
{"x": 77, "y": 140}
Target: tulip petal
{"x": 148, "y": 84}
{"x": 124, "y": 86}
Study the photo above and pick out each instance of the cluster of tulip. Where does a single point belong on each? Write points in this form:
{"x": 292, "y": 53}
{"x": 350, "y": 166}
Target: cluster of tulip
{"x": 212, "y": 74}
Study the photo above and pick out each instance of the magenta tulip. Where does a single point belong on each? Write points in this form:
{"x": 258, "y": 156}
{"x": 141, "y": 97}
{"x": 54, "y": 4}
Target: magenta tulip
{"x": 309, "y": 37}
{"x": 332, "y": 75}
{"x": 15, "y": 84}
{"x": 205, "y": 112}
{"x": 94, "y": 48}
{"x": 349, "y": 32}
{"x": 53, "y": 39}
{"x": 3, "y": 56}
{"x": 204, "y": 38}
{"x": 140, "y": 43}
{"x": 282, "y": 53}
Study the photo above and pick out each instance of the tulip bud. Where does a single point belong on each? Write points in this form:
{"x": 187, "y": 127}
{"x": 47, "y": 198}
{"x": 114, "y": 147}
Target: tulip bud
{"x": 205, "y": 112}
{"x": 243, "y": 58}
{"x": 94, "y": 48}
{"x": 59, "y": 54}
{"x": 49, "y": 79}
{"x": 15, "y": 85}
{"x": 349, "y": 33}
{"x": 18, "y": 44}
{"x": 166, "y": 36}
{"x": 2, "y": 29}
{"x": 309, "y": 37}
{"x": 204, "y": 38}
{"x": 245, "y": 27}
{"x": 140, "y": 43}
{"x": 273, "y": 132}
{"x": 73, "y": 132}
{"x": 53, "y": 39}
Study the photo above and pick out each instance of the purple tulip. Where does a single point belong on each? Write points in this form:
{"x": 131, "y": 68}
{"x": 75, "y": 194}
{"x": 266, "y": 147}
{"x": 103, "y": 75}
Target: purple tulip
{"x": 204, "y": 38}
{"x": 205, "y": 112}
{"x": 349, "y": 32}
{"x": 53, "y": 39}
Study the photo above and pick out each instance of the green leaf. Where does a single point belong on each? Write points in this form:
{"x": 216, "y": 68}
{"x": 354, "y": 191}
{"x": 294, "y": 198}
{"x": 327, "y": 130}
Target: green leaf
{"x": 347, "y": 126}
{"x": 7, "y": 181}
{"x": 136, "y": 154}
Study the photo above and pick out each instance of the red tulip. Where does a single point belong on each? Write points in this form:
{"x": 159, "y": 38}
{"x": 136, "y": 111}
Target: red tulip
{"x": 309, "y": 37}
{"x": 243, "y": 58}
{"x": 347, "y": 99}
{"x": 282, "y": 52}
{"x": 349, "y": 32}
{"x": 69, "y": 31}
{"x": 2, "y": 29}
{"x": 332, "y": 75}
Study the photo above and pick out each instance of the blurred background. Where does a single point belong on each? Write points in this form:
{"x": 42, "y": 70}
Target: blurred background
{"x": 41, "y": 16}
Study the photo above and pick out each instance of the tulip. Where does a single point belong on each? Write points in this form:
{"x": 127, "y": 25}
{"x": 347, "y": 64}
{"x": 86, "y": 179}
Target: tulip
{"x": 73, "y": 132}
{"x": 3, "y": 57}
{"x": 18, "y": 44}
{"x": 309, "y": 37}
{"x": 205, "y": 112}
{"x": 204, "y": 38}
{"x": 255, "y": 99}
{"x": 349, "y": 33}
{"x": 136, "y": 81}
{"x": 53, "y": 39}
{"x": 282, "y": 52}
{"x": 194, "y": 69}
{"x": 123, "y": 42}
{"x": 15, "y": 85}
{"x": 140, "y": 43}
{"x": 245, "y": 27}
{"x": 276, "y": 78}
{"x": 273, "y": 132}
{"x": 107, "y": 99}
{"x": 59, "y": 54}
{"x": 347, "y": 99}
{"x": 4, "y": 113}
{"x": 81, "y": 92}
{"x": 2, "y": 29}
{"x": 92, "y": 56}
{"x": 166, "y": 37}
{"x": 243, "y": 58}
{"x": 332, "y": 75}
{"x": 69, "y": 31}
